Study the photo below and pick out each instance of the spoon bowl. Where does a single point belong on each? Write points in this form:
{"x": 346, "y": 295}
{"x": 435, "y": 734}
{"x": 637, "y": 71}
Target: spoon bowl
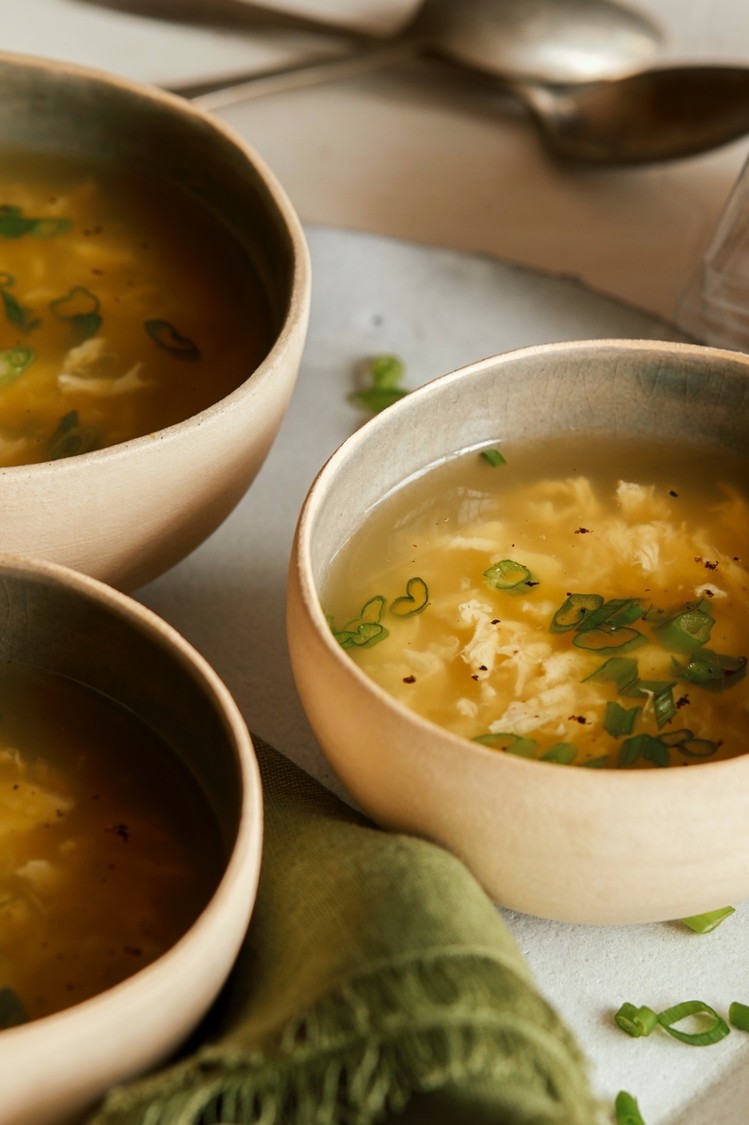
{"x": 541, "y": 40}
{"x": 652, "y": 116}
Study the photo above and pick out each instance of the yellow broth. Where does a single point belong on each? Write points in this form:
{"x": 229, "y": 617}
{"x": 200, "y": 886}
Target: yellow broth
{"x": 108, "y": 848}
{"x": 455, "y": 597}
{"x": 124, "y": 308}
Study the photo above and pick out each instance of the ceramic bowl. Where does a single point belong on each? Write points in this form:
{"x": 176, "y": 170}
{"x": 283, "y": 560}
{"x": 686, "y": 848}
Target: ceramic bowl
{"x": 579, "y": 845}
{"x": 129, "y": 512}
{"x": 62, "y": 622}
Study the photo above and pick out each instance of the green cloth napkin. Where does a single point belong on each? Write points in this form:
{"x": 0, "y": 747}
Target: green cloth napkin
{"x": 377, "y": 983}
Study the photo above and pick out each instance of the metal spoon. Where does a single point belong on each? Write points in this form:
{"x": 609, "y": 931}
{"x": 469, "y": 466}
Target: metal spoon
{"x": 648, "y": 117}
{"x": 541, "y": 40}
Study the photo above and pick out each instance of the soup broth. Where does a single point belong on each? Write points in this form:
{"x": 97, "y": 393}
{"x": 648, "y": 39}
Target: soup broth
{"x": 108, "y": 849}
{"x": 580, "y": 601}
{"x": 123, "y": 308}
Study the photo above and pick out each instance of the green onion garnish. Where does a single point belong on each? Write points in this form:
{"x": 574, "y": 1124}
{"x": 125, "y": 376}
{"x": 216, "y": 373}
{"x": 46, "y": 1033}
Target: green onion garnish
{"x": 386, "y": 373}
{"x": 627, "y": 1110}
{"x": 18, "y": 315}
{"x": 738, "y": 1014}
{"x": 643, "y": 746}
{"x": 573, "y": 610}
{"x": 619, "y": 720}
{"x": 415, "y": 599}
{"x": 166, "y": 336}
{"x": 563, "y": 752}
{"x": 493, "y": 457}
{"x": 621, "y": 671}
{"x": 80, "y": 307}
{"x": 710, "y": 920}
{"x": 596, "y": 763}
{"x": 686, "y": 630}
{"x": 13, "y": 362}
{"x": 12, "y": 1011}
{"x": 614, "y": 613}
{"x": 14, "y": 224}
{"x": 71, "y": 438}
{"x": 509, "y": 576}
{"x": 636, "y": 1021}
{"x": 510, "y": 743}
{"x": 716, "y": 1029}
{"x": 712, "y": 670}
{"x": 604, "y": 640}
{"x": 661, "y": 692}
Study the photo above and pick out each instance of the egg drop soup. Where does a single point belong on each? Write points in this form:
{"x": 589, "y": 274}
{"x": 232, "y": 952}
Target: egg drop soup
{"x": 580, "y": 601}
{"x": 124, "y": 308}
{"x": 108, "y": 849}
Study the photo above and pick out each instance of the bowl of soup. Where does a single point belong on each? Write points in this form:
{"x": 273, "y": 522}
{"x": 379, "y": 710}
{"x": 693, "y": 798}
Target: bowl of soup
{"x": 130, "y": 839}
{"x": 154, "y": 297}
{"x": 519, "y": 624}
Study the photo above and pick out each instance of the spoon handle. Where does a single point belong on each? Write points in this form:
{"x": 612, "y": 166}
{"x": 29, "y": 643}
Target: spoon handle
{"x": 230, "y": 89}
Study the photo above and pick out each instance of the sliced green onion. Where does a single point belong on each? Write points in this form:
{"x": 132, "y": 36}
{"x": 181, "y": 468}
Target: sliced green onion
{"x": 716, "y": 1029}
{"x": 18, "y": 315}
{"x": 415, "y": 599}
{"x": 661, "y": 692}
{"x": 622, "y": 671}
{"x": 622, "y": 639}
{"x": 365, "y": 635}
{"x": 493, "y": 457}
{"x": 643, "y": 746}
{"x": 386, "y": 373}
{"x": 373, "y": 609}
{"x": 509, "y": 576}
{"x": 510, "y": 743}
{"x": 627, "y": 1110}
{"x": 563, "y": 752}
{"x": 687, "y": 630}
{"x": 596, "y": 763}
{"x": 618, "y": 720}
{"x": 573, "y": 610}
{"x": 738, "y": 1014}
{"x": 14, "y": 224}
{"x": 713, "y": 670}
{"x": 13, "y": 362}
{"x": 613, "y": 614}
{"x": 71, "y": 438}
{"x": 698, "y": 747}
{"x": 12, "y": 1011}
{"x": 166, "y": 336}
{"x": 709, "y": 921}
{"x": 636, "y": 1021}
{"x": 80, "y": 307}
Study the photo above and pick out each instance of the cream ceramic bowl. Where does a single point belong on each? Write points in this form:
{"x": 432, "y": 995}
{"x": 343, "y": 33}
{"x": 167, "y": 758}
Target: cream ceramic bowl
{"x": 62, "y": 622}
{"x": 591, "y": 846}
{"x": 127, "y": 513}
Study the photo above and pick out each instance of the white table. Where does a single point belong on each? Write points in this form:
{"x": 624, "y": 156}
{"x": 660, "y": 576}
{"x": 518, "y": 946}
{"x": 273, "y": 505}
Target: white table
{"x": 439, "y": 230}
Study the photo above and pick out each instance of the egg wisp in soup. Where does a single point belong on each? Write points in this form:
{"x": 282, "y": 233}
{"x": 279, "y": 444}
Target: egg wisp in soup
{"x": 580, "y": 602}
{"x": 108, "y": 847}
{"x": 124, "y": 308}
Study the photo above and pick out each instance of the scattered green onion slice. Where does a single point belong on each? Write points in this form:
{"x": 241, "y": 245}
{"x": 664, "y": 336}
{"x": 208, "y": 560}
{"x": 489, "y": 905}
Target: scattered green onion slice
{"x": 620, "y": 639}
{"x": 627, "y": 1110}
{"x": 661, "y": 693}
{"x": 573, "y": 610}
{"x": 620, "y": 670}
{"x": 364, "y": 635}
{"x": 716, "y": 1029}
{"x": 166, "y": 336}
{"x": 613, "y": 614}
{"x": 562, "y": 752}
{"x": 686, "y": 630}
{"x": 415, "y": 599}
{"x": 618, "y": 720}
{"x": 637, "y": 1022}
{"x": 80, "y": 307}
{"x": 12, "y": 1011}
{"x": 509, "y": 576}
{"x": 16, "y": 314}
{"x": 738, "y": 1014}
{"x": 386, "y": 373}
{"x": 71, "y": 438}
{"x": 493, "y": 457}
{"x": 373, "y": 609}
{"x": 709, "y": 921}
{"x": 596, "y": 763}
{"x": 510, "y": 743}
{"x": 643, "y": 746}
{"x": 14, "y": 224}
{"x": 713, "y": 670}
{"x": 13, "y": 362}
